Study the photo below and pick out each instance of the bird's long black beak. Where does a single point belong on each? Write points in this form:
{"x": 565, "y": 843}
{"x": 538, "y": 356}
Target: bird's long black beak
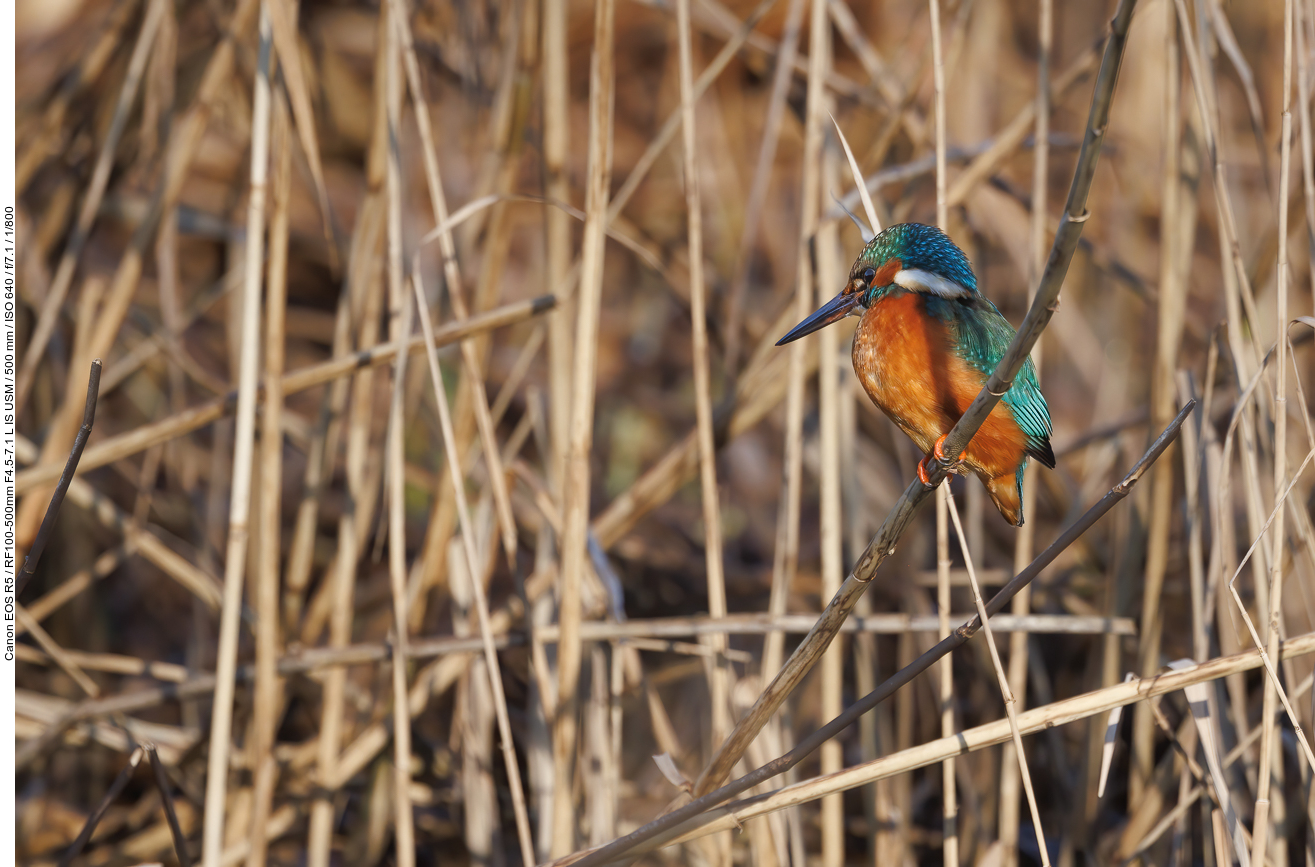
{"x": 832, "y": 311}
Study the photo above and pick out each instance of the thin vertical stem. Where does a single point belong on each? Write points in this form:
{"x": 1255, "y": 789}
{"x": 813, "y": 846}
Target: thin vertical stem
{"x": 949, "y": 794}
{"x": 221, "y": 720}
{"x": 712, "y": 543}
{"x": 268, "y": 689}
{"x": 1025, "y": 540}
{"x": 399, "y": 328}
{"x": 575, "y": 502}
{"x": 1269, "y": 716}
{"x": 830, "y": 371}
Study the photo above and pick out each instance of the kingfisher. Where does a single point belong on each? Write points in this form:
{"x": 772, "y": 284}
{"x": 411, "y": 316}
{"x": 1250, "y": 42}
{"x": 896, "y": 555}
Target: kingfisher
{"x": 926, "y": 342}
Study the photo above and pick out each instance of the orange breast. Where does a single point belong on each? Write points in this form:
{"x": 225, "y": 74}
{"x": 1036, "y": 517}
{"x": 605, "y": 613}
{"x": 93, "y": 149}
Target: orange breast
{"x": 904, "y": 360}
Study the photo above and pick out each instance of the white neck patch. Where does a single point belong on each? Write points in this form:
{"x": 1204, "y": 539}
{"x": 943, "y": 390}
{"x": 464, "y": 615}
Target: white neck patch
{"x": 917, "y": 280}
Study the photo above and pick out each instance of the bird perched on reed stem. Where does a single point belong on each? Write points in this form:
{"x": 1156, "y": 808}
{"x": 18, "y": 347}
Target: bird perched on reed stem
{"x": 926, "y": 344}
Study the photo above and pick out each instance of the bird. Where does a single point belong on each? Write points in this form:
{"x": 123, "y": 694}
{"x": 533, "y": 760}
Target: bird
{"x": 926, "y": 342}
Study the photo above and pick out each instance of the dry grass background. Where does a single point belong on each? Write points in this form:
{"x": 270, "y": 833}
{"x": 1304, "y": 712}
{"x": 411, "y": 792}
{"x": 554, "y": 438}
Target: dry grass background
{"x": 656, "y": 502}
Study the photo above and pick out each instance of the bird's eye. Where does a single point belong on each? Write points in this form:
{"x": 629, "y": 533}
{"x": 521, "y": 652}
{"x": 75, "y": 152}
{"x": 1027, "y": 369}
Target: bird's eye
{"x": 869, "y": 275}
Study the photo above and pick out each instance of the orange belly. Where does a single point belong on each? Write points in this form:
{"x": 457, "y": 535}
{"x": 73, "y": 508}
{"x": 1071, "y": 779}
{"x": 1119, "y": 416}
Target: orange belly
{"x": 904, "y": 360}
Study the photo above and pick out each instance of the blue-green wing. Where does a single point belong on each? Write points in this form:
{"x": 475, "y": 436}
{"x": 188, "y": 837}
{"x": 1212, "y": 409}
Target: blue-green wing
{"x": 981, "y": 335}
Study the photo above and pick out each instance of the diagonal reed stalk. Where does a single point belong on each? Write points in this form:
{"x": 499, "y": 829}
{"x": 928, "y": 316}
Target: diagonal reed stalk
{"x": 673, "y": 823}
{"x": 1011, "y": 710}
{"x": 892, "y": 529}
{"x": 477, "y": 586}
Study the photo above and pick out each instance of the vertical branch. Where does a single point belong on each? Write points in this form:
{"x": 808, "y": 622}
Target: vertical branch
{"x": 575, "y": 501}
{"x": 268, "y": 687}
{"x": 399, "y": 329}
{"x": 719, "y": 687}
{"x": 221, "y": 721}
{"x": 1269, "y": 716}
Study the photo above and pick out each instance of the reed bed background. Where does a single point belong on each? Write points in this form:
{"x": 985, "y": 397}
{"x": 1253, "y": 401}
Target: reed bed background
{"x": 580, "y": 522}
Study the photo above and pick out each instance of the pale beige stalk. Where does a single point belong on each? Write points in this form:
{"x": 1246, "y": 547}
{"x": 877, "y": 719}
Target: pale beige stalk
{"x": 268, "y": 686}
{"x": 235, "y": 557}
{"x": 575, "y": 497}
{"x": 399, "y": 328}
{"x": 718, "y": 672}
{"x": 1273, "y": 623}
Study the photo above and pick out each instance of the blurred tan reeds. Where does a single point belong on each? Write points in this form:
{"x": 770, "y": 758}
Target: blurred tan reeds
{"x": 405, "y": 526}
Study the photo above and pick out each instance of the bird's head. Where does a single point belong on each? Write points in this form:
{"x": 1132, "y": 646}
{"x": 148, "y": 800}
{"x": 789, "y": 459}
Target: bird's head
{"x": 907, "y": 256}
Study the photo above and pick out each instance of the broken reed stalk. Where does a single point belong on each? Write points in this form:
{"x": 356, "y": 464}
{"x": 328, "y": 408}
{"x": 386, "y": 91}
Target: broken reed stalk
{"x": 235, "y": 557}
{"x": 116, "y": 448}
{"x": 111, "y": 794}
{"x": 399, "y": 329}
{"x": 718, "y": 673}
{"x": 883, "y": 543}
{"x": 575, "y": 494}
{"x": 1011, "y": 711}
{"x": 66, "y": 478}
{"x": 48, "y": 316}
{"x": 477, "y": 587}
{"x": 668, "y": 826}
{"x": 1278, "y": 541}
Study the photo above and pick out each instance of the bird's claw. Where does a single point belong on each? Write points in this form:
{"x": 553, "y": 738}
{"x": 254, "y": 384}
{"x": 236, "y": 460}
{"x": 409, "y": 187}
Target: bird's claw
{"x": 938, "y": 453}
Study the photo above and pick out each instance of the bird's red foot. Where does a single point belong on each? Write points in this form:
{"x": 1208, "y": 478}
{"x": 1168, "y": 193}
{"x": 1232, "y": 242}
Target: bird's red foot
{"x": 937, "y": 452}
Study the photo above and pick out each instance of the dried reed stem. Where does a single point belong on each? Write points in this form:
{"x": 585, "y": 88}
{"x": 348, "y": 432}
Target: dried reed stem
{"x": 575, "y": 495}
{"x": 477, "y": 586}
{"x": 399, "y": 329}
{"x": 949, "y": 796}
{"x": 830, "y": 370}
{"x": 235, "y": 557}
{"x": 1010, "y": 710}
{"x": 470, "y": 355}
{"x": 718, "y": 677}
{"x": 1024, "y": 542}
{"x": 1277, "y": 538}
{"x": 268, "y": 689}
